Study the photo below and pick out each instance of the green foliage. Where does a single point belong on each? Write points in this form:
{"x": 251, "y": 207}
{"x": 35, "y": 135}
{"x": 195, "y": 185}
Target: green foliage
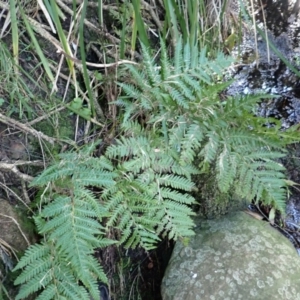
{"x": 174, "y": 127}
{"x": 180, "y": 100}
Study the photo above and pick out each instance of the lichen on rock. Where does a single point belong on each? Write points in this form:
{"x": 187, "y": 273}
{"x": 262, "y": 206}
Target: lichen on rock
{"x": 235, "y": 257}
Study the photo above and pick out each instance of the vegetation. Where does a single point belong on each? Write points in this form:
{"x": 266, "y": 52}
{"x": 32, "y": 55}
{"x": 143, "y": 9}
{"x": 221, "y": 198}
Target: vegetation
{"x": 162, "y": 124}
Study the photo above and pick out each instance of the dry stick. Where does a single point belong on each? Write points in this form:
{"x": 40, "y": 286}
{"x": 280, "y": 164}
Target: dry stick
{"x": 78, "y": 62}
{"x": 4, "y": 5}
{"x": 83, "y": 95}
{"x": 11, "y": 122}
{"x": 9, "y": 248}
{"x": 89, "y": 24}
{"x": 13, "y": 168}
{"x": 7, "y": 189}
{"x": 45, "y": 34}
{"x": 262, "y": 6}
{"x": 153, "y": 14}
{"x": 14, "y": 220}
{"x": 71, "y": 68}
{"x": 45, "y": 116}
{"x": 255, "y": 31}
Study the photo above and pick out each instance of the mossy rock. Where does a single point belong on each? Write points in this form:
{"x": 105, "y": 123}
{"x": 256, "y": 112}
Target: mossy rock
{"x": 235, "y": 257}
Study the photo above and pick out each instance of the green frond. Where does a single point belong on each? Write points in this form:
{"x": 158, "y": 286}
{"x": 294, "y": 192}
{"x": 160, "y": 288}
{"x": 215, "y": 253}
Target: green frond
{"x": 139, "y": 78}
{"x": 191, "y": 142}
{"x": 33, "y": 253}
{"x": 94, "y": 177}
{"x": 187, "y": 56}
{"x": 132, "y": 128}
{"x": 192, "y": 84}
{"x": 221, "y": 63}
{"x": 211, "y": 148}
{"x": 176, "y": 182}
{"x": 40, "y": 268}
{"x": 132, "y": 91}
{"x": 185, "y": 89}
{"x": 90, "y": 198}
{"x": 164, "y": 61}
{"x": 226, "y": 171}
{"x": 262, "y": 178}
{"x": 176, "y": 133}
{"x": 178, "y": 57}
{"x": 176, "y": 196}
{"x": 150, "y": 68}
{"x": 176, "y": 95}
{"x": 48, "y": 293}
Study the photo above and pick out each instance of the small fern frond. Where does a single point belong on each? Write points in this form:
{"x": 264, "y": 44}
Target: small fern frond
{"x": 176, "y": 182}
{"x": 211, "y": 147}
{"x": 151, "y": 69}
{"x": 226, "y": 168}
{"x": 262, "y": 178}
{"x": 138, "y": 77}
{"x": 192, "y": 84}
{"x": 178, "y": 57}
{"x": 190, "y": 143}
{"x": 131, "y": 90}
{"x": 164, "y": 61}
{"x": 33, "y": 253}
{"x": 177, "y": 96}
{"x": 167, "y": 193}
{"x": 187, "y": 56}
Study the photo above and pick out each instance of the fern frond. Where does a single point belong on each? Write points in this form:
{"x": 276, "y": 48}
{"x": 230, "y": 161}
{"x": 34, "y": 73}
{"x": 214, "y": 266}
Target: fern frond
{"x": 138, "y": 77}
{"x": 33, "y": 253}
{"x": 176, "y": 96}
{"x": 192, "y": 84}
{"x": 176, "y": 182}
{"x": 151, "y": 69}
{"x": 167, "y": 193}
{"x": 261, "y": 178}
{"x": 164, "y": 62}
{"x": 131, "y": 90}
{"x": 226, "y": 167}
{"x": 178, "y": 57}
{"x": 211, "y": 148}
{"x": 191, "y": 142}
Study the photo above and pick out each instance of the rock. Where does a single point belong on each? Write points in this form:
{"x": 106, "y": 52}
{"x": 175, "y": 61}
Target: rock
{"x": 13, "y": 230}
{"x": 236, "y": 257}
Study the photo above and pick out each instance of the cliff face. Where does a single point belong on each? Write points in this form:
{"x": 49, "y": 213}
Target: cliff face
{"x": 236, "y": 257}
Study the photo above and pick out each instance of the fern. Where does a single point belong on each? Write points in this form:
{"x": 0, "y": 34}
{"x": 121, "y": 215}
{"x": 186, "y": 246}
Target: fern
{"x": 217, "y": 133}
{"x": 145, "y": 180}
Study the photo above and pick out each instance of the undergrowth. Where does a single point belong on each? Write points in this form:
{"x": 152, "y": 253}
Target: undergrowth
{"x": 174, "y": 125}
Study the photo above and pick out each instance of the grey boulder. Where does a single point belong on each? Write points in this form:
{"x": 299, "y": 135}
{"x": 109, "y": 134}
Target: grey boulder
{"x": 236, "y": 257}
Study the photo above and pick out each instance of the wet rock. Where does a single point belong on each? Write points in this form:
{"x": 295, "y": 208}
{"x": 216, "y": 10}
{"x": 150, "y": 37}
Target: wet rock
{"x": 236, "y": 257}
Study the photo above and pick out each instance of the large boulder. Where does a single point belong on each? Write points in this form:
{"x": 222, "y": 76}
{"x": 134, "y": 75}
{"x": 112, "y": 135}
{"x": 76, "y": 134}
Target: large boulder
{"x": 236, "y": 257}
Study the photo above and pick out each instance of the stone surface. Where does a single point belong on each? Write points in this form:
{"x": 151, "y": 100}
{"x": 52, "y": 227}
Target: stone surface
{"x": 236, "y": 257}
{"x": 12, "y": 229}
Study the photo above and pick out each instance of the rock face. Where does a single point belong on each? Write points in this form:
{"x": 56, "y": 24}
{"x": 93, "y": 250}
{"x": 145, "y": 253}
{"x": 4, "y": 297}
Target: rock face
{"x": 10, "y": 228}
{"x": 236, "y": 257}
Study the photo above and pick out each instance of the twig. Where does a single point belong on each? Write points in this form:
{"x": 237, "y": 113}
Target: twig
{"x": 13, "y": 168}
{"x": 153, "y": 14}
{"x": 25, "y": 128}
{"x": 7, "y": 189}
{"x": 45, "y": 116}
{"x": 14, "y": 220}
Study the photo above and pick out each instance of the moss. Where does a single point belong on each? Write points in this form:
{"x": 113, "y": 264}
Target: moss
{"x": 213, "y": 203}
